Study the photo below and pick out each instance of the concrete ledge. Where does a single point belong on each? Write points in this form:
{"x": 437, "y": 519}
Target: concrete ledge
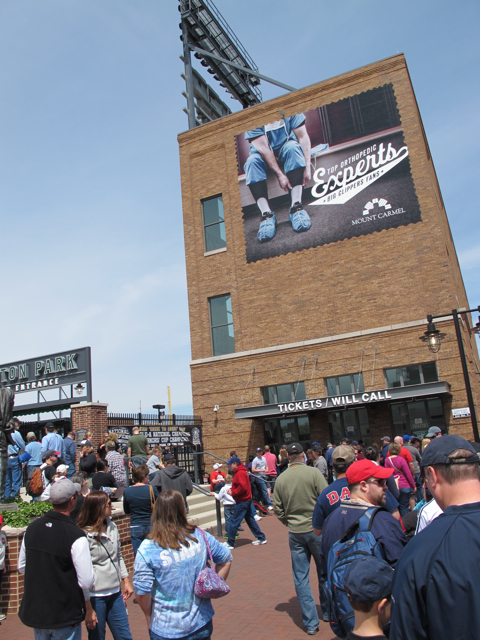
{"x": 326, "y": 339}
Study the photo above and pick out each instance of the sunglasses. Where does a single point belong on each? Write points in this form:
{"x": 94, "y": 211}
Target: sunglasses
{"x": 380, "y": 483}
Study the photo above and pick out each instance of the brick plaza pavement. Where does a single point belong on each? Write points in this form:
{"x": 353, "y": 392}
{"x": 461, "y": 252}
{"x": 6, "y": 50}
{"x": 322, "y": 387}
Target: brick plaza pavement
{"x": 262, "y": 603}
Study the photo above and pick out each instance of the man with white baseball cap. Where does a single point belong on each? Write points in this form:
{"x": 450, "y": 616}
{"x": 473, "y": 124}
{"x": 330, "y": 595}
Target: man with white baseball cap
{"x": 55, "y": 558}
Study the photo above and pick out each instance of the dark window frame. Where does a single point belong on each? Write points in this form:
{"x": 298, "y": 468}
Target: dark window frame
{"x": 415, "y": 364}
{"x": 212, "y": 224}
{"x": 352, "y": 383}
{"x": 294, "y": 395}
{"x": 227, "y": 324}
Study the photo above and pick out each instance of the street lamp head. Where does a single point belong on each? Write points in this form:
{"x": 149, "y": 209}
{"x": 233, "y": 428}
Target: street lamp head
{"x": 432, "y": 336}
{"x": 158, "y": 406}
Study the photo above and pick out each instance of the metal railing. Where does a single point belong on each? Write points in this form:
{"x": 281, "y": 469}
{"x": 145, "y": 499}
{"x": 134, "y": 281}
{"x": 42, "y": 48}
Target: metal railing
{"x": 217, "y": 508}
{"x": 196, "y": 475}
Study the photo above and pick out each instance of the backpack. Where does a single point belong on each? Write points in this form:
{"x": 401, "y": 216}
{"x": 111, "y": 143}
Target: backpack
{"x": 35, "y": 485}
{"x": 358, "y": 541}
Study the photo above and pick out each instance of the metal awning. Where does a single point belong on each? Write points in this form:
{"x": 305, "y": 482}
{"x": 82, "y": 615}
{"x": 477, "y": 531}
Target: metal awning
{"x": 350, "y": 401}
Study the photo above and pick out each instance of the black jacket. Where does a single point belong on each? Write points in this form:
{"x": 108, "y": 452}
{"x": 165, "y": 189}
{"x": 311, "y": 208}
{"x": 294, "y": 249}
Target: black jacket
{"x": 172, "y": 477}
{"x": 88, "y": 464}
{"x": 52, "y": 598}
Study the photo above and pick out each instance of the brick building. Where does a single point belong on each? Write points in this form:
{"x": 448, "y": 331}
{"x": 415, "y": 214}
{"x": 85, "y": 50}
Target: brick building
{"x": 313, "y": 335}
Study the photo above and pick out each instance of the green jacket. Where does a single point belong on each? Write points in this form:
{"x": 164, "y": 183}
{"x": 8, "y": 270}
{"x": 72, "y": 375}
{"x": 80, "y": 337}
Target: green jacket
{"x": 295, "y": 495}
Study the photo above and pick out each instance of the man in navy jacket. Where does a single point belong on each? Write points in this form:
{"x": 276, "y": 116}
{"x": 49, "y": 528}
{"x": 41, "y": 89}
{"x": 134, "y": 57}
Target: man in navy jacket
{"x": 435, "y": 589}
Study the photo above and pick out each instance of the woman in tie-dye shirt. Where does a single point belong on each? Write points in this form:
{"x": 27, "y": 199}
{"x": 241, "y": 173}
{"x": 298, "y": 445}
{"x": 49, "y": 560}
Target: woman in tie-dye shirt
{"x": 166, "y": 567}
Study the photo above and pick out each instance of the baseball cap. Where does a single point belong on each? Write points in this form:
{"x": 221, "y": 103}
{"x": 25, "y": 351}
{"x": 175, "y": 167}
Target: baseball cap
{"x": 217, "y": 465}
{"x": 294, "y": 448}
{"x": 406, "y": 438}
{"x": 234, "y": 460}
{"x": 317, "y": 448}
{"x": 169, "y": 457}
{"x": 84, "y": 443}
{"x": 354, "y": 441}
{"x": 259, "y": 449}
{"x": 31, "y": 434}
{"x": 386, "y": 439}
{"x": 433, "y": 432}
{"x": 63, "y": 490}
{"x": 369, "y": 579}
{"x": 49, "y": 453}
{"x": 62, "y": 468}
{"x": 364, "y": 469}
{"x": 344, "y": 454}
{"x": 439, "y": 449}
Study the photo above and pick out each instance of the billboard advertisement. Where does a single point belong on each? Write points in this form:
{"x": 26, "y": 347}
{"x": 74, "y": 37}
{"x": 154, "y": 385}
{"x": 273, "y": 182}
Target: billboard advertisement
{"x": 335, "y": 172}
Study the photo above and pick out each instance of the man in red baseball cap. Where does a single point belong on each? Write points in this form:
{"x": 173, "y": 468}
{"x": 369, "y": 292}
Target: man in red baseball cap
{"x": 367, "y": 483}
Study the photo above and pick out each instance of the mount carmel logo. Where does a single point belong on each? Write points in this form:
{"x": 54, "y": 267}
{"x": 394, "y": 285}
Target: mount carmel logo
{"x": 378, "y": 209}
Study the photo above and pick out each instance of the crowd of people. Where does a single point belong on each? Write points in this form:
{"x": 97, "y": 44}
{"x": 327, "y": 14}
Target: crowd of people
{"x": 392, "y": 530}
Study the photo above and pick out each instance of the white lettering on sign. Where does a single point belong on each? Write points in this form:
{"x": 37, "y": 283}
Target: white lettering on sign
{"x": 342, "y": 186}
{"x": 337, "y": 401}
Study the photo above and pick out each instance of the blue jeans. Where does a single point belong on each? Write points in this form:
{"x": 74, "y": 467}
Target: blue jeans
{"x": 110, "y": 610}
{"x": 304, "y": 546}
{"x": 228, "y": 513}
{"x": 67, "y": 633}
{"x": 13, "y": 478}
{"x": 138, "y": 460}
{"x": 404, "y": 501}
{"x": 138, "y": 533}
{"x": 71, "y": 470}
{"x": 240, "y": 511}
{"x": 262, "y": 485}
{"x": 204, "y": 633}
{"x": 419, "y": 485}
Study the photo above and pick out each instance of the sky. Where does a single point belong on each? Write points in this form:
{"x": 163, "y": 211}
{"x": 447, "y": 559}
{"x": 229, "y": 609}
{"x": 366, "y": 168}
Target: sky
{"x": 91, "y": 233}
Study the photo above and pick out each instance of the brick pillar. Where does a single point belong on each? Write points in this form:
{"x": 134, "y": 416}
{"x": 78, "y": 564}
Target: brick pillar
{"x": 91, "y": 416}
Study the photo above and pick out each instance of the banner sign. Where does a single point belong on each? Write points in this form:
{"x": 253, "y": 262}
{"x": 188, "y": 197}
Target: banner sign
{"x": 349, "y": 401}
{"x": 161, "y": 435}
{"x": 55, "y": 371}
{"x": 335, "y": 172}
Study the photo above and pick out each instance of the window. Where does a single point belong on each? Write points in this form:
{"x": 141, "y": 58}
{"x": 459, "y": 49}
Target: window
{"x": 417, "y": 416}
{"x": 280, "y": 431}
{"x": 214, "y": 224}
{"x": 221, "y": 323}
{"x": 343, "y": 385}
{"x": 280, "y": 393}
{"x": 411, "y": 374}
{"x": 351, "y": 423}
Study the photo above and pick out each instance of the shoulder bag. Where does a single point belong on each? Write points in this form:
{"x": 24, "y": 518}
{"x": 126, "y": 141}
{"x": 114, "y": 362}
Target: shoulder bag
{"x": 209, "y": 585}
{"x": 152, "y": 497}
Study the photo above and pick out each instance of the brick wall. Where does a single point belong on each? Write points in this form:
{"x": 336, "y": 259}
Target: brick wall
{"x": 91, "y": 416}
{"x": 396, "y": 276}
{"x": 12, "y": 583}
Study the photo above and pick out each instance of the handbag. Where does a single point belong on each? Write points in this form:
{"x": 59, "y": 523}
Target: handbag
{"x": 209, "y": 585}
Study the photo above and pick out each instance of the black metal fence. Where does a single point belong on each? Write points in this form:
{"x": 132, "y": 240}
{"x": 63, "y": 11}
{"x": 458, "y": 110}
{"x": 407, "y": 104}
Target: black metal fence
{"x": 137, "y": 419}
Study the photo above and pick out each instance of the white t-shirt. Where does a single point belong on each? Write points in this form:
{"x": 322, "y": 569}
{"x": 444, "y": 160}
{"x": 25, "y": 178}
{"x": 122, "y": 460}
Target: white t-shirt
{"x": 427, "y": 514}
{"x": 223, "y": 495}
{"x": 261, "y": 464}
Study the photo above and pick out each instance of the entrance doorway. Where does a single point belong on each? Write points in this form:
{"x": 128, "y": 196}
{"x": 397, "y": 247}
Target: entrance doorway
{"x": 279, "y": 431}
{"x": 351, "y": 424}
{"x": 417, "y": 416}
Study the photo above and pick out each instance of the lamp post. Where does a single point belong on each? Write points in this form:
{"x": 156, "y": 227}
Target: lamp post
{"x": 159, "y": 407}
{"x": 434, "y": 338}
